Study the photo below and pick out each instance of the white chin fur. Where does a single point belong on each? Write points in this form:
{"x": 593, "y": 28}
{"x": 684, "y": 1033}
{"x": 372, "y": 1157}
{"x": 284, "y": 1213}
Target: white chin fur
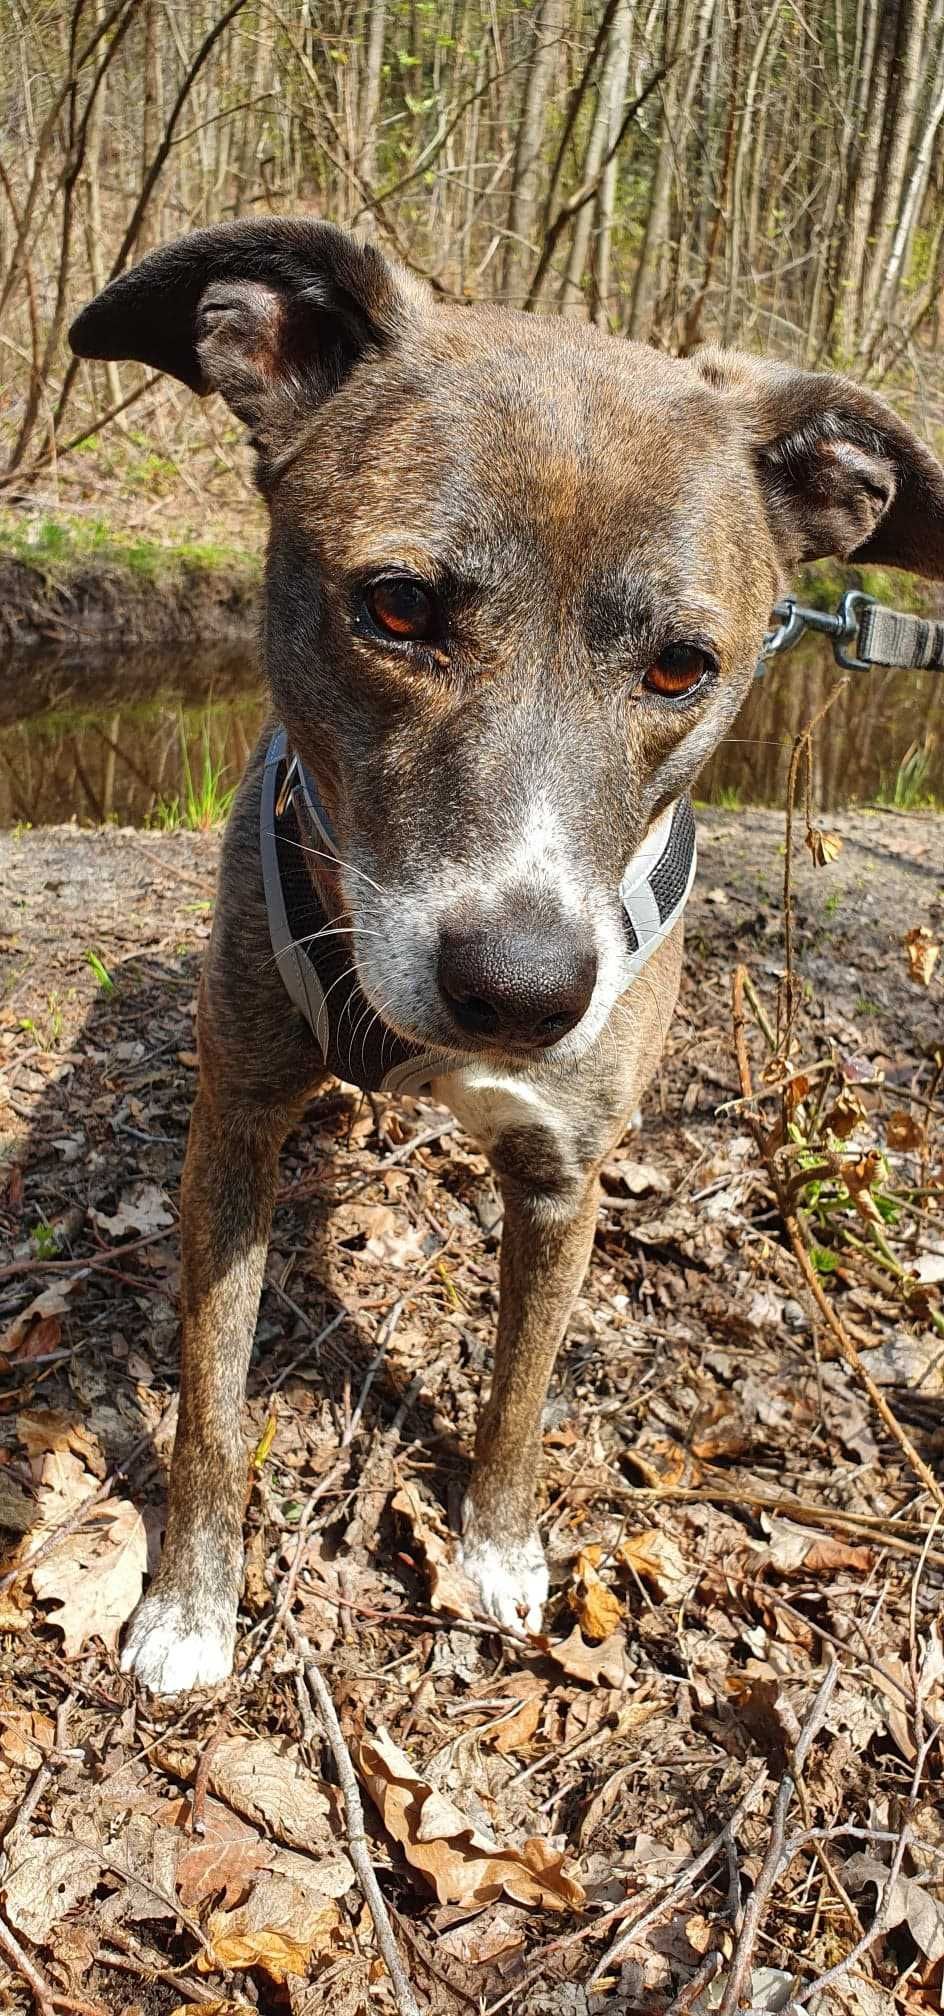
{"x": 511, "y": 1580}
{"x": 169, "y": 1658}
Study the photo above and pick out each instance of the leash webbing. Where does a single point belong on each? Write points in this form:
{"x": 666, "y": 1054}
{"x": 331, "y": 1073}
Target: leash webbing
{"x": 862, "y": 633}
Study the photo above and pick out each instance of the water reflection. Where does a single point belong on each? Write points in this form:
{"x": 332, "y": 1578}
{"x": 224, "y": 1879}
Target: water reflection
{"x": 124, "y": 739}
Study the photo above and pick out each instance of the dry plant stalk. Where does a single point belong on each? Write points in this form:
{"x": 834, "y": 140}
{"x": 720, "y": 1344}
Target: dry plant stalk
{"x": 791, "y": 1224}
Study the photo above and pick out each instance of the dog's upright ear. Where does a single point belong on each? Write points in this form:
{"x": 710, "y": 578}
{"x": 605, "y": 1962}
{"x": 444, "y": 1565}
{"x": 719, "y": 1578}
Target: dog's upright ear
{"x": 272, "y": 314}
{"x": 839, "y": 472}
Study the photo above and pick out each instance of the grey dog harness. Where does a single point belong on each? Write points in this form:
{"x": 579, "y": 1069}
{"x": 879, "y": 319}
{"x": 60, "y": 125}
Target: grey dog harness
{"x": 315, "y": 959}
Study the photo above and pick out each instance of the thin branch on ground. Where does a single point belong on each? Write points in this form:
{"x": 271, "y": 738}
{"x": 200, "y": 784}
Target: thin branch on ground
{"x": 356, "y": 1837}
{"x": 775, "y": 1859}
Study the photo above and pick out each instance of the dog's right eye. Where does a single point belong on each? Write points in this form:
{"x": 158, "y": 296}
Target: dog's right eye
{"x": 403, "y": 609}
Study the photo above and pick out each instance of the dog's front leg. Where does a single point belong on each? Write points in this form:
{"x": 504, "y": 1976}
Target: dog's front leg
{"x": 546, "y": 1242}
{"x": 183, "y": 1634}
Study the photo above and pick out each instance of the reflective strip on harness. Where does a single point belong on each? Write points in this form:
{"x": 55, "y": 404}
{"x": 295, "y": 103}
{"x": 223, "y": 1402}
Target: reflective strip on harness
{"x": 299, "y": 976}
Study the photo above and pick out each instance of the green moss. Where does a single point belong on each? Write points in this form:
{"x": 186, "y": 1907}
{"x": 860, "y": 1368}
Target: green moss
{"x": 822, "y": 582}
{"x": 61, "y": 544}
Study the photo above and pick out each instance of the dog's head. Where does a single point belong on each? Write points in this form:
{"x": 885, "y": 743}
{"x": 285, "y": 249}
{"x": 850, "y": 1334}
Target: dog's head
{"x": 517, "y": 582}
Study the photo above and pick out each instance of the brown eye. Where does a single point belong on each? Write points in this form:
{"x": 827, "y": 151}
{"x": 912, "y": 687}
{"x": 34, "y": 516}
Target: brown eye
{"x": 677, "y": 671}
{"x": 402, "y": 608}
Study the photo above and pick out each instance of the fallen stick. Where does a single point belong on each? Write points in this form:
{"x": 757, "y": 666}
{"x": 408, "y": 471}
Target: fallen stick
{"x": 879, "y": 1924}
{"x": 354, "y": 1821}
{"x": 776, "y": 1853}
{"x": 649, "y": 1915}
{"x": 47, "y": 1999}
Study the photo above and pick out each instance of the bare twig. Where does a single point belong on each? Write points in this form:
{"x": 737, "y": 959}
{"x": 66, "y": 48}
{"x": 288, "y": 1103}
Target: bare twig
{"x": 354, "y": 1823}
{"x": 880, "y": 1921}
{"x": 47, "y": 1998}
{"x": 776, "y": 1856}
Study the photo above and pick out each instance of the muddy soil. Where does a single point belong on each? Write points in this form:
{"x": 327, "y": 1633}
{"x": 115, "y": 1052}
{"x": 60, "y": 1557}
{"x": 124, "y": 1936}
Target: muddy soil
{"x": 91, "y": 603}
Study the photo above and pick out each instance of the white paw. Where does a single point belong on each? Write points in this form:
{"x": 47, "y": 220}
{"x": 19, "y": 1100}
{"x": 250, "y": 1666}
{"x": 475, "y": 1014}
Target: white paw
{"x": 511, "y": 1579}
{"x": 169, "y": 1657}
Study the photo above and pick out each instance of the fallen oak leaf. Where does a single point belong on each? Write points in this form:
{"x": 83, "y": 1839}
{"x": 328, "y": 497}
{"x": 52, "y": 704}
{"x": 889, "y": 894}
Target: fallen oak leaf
{"x": 280, "y": 1928}
{"x": 263, "y": 1780}
{"x": 517, "y": 1730}
{"x": 44, "y": 1308}
{"x": 48, "y": 1879}
{"x": 460, "y": 1863}
{"x": 658, "y": 1561}
{"x": 96, "y": 1576}
{"x": 923, "y": 951}
{"x": 599, "y": 1611}
{"x": 221, "y": 1862}
{"x": 449, "y": 1589}
{"x": 592, "y": 1663}
{"x": 146, "y": 1210}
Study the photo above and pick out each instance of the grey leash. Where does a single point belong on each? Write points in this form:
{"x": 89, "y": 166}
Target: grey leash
{"x": 862, "y": 633}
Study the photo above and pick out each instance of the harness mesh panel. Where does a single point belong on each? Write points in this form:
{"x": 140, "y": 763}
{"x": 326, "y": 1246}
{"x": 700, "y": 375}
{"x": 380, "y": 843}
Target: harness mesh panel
{"x": 669, "y": 878}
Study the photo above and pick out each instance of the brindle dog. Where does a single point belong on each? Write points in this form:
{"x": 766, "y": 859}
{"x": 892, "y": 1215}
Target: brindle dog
{"x": 518, "y": 574}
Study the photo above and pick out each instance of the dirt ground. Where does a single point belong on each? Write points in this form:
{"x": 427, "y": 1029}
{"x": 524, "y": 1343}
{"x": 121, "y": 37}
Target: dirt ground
{"x": 717, "y": 1776}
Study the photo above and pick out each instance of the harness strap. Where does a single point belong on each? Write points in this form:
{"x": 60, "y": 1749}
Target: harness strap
{"x": 316, "y": 962}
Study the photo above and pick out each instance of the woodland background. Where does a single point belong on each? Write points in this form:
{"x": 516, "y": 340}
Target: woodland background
{"x": 754, "y": 171}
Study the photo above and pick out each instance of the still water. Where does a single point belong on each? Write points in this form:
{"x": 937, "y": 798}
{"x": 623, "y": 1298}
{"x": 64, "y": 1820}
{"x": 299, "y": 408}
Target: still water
{"x": 143, "y": 738}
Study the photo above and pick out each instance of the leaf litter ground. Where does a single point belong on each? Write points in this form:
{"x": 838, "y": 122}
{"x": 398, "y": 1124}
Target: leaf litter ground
{"x": 717, "y": 1776}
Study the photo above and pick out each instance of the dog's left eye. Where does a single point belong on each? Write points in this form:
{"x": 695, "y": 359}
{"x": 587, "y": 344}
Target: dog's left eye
{"x": 677, "y": 671}
{"x": 402, "y": 608}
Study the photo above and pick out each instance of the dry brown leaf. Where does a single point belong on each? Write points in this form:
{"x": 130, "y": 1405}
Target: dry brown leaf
{"x": 824, "y": 847}
{"x": 47, "y": 1878}
{"x": 43, "y": 1308}
{"x": 846, "y": 1114}
{"x": 517, "y": 1730}
{"x": 449, "y": 1588}
{"x": 658, "y": 1561}
{"x": 599, "y": 1611}
{"x": 923, "y": 951}
{"x": 209, "y": 2009}
{"x": 144, "y": 1211}
{"x": 26, "y": 1737}
{"x": 902, "y": 1130}
{"x": 793, "y": 1548}
{"x": 221, "y": 1862}
{"x": 96, "y": 1576}
{"x": 590, "y": 1662}
{"x": 280, "y": 1928}
{"x": 461, "y": 1864}
{"x": 262, "y": 1779}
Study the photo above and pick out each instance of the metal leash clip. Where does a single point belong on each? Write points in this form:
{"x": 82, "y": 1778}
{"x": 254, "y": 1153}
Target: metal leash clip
{"x": 842, "y": 627}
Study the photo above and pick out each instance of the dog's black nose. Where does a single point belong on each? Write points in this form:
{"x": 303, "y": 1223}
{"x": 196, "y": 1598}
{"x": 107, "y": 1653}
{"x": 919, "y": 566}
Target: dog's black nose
{"x": 522, "y": 986}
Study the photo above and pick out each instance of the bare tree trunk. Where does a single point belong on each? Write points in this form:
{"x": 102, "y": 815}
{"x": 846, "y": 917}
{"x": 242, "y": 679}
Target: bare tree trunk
{"x": 905, "y": 91}
{"x": 613, "y": 90}
{"x": 371, "y": 100}
{"x": 527, "y": 176}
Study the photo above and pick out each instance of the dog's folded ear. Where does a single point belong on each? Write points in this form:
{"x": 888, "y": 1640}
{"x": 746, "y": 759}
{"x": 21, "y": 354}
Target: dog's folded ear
{"x": 840, "y": 473}
{"x": 272, "y": 314}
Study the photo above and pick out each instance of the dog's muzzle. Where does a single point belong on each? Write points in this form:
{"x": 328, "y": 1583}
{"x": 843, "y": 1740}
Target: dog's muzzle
{"x": 319, "y": 971}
